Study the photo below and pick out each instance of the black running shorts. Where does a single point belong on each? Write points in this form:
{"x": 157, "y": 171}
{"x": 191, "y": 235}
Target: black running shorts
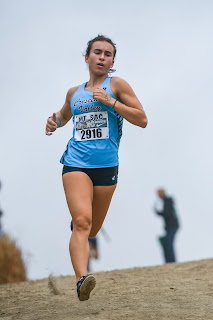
{"x": 99, "y": 176}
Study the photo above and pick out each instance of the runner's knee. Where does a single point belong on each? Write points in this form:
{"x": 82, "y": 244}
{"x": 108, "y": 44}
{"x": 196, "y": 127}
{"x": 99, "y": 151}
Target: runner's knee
{"x": 82, "y": 223}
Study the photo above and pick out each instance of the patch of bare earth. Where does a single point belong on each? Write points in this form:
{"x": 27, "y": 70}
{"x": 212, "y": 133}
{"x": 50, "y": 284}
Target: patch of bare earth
{"x": 181, "y": 291}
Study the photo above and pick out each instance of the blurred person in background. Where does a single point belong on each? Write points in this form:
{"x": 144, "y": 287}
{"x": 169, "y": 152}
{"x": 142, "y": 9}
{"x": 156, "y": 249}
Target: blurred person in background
{"x": 165, "y": 208}
{"x": 93, "y": 251}
{"x": 94, "y": 248}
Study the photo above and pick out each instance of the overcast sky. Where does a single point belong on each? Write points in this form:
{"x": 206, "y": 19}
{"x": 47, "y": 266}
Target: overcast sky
{"x": 164, "y": 51}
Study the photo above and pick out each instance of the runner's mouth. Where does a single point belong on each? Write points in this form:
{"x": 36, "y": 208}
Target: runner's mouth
{"x": 100, "y": 64}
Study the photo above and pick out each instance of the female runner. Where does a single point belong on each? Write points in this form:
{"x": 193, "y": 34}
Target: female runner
{"x": 90, "y": 160}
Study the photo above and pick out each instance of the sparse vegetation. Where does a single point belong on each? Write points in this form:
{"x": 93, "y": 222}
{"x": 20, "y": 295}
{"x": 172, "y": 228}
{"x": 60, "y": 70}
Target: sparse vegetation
{"x": 12, "y": 267}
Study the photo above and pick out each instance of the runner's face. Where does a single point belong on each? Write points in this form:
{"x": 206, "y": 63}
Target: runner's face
{"x": 100, "y": 59}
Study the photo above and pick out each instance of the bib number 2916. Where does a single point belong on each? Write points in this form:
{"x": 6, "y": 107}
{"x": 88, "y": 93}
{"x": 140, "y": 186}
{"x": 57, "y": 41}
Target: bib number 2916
{"x": 91, "y": 133}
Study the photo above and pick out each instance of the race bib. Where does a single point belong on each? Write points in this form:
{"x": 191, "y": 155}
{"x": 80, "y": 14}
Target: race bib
{"x": 91, "y": 126}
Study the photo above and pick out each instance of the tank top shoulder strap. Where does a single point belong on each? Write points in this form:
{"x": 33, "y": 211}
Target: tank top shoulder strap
{"x": 81, "y": 87}
{"x": 106, "y": 86}
{"x": 106, "y": 83}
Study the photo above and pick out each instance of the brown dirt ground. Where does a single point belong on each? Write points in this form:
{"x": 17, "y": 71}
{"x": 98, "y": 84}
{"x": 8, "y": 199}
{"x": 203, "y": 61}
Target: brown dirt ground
{"x": 180, "y": 291}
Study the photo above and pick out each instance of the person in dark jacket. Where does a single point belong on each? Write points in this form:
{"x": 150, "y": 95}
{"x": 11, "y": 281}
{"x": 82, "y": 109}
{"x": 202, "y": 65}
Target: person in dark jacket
{"x": 169, "y": 214}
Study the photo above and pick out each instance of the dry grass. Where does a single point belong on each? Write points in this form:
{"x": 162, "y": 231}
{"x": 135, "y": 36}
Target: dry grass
{"x": 12, "y": 267}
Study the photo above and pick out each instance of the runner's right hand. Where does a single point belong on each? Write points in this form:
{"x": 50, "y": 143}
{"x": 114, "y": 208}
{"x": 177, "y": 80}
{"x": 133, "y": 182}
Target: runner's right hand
{"x": 51, "y": 125}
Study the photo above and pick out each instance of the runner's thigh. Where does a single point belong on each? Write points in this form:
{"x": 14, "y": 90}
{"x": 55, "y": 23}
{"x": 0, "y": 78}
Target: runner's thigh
{"x": 78, "y": 189}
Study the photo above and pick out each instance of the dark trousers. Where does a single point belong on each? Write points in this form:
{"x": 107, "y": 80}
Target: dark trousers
{"x": 167, "y": 243}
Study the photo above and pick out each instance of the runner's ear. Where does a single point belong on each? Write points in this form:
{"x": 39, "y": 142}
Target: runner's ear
{"x": 86, "y": 59}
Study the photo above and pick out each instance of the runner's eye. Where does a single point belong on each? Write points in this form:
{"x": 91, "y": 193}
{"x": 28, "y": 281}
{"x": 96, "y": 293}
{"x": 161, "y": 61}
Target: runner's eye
{"x": 108, "y": 53}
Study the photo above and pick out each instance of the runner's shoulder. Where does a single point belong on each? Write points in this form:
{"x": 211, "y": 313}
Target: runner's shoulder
{"x": 118, "y": 84}
{"x": 71, "y": 92}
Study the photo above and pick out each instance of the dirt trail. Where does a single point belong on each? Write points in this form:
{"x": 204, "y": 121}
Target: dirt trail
{"x": 182, "y": 291}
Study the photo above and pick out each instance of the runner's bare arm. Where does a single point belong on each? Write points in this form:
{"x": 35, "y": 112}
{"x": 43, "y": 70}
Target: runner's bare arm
{"x": 65, "y": 114}
{"x": 127, "y": 105}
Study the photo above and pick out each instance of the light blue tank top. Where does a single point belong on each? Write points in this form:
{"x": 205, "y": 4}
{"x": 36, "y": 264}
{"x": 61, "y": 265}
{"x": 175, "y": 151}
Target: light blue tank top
{"x": 97, "y": 130}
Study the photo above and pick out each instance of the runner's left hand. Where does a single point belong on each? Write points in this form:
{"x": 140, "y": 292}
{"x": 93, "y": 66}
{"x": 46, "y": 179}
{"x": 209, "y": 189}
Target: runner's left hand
{"x": 102, "y": 96}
